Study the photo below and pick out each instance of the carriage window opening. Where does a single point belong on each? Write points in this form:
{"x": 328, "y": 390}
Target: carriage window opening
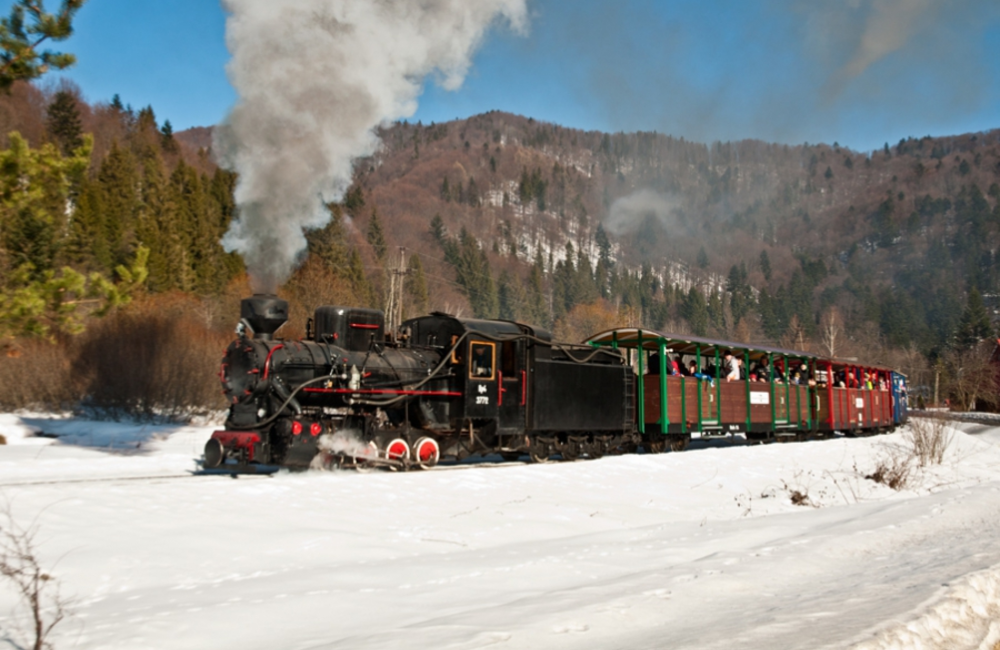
{"x": 482, "y": 360}
{"x": 508, "y": 359}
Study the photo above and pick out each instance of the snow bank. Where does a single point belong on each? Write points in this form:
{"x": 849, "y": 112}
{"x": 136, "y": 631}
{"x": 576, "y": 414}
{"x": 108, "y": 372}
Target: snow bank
{"x": 966, "y": 618}
{"x": 702, "y": 549}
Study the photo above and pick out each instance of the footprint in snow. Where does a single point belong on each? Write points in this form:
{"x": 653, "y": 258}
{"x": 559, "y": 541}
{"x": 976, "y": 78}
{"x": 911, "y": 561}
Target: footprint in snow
{"x": 659, "y": 593}
{"x": 571, "y": 628}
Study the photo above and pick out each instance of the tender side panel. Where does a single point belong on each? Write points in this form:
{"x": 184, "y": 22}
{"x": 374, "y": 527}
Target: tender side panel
{"x": 570, "y": 396}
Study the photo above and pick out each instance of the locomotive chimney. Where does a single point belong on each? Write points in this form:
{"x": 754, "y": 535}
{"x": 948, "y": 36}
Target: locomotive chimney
{"x": 264, "y": 314}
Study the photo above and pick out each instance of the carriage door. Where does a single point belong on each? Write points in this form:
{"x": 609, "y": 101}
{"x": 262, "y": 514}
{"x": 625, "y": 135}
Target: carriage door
{"x": 513, "y": 389}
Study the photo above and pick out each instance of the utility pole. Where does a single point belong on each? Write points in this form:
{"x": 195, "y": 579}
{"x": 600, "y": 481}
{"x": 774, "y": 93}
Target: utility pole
{"x": 397, "y": 284}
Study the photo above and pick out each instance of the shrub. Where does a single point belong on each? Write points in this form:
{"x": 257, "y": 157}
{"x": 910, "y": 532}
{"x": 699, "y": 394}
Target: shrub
{"x": 929, "y": 439}
{"x": 37, "y": 374}
{"x": 157, "y": 358}
{"x": 892, "y": 470}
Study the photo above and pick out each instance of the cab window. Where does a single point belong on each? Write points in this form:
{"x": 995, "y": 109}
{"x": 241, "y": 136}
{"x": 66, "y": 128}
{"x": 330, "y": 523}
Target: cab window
{"x": 482, "y": 360}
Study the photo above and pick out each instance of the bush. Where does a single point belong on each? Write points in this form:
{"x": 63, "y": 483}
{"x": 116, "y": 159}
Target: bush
{"x": 929, "y": 439}
{"x": 157, "y": 358}
{"x": 892, "y": 470}
{"x": 37, "y": 374}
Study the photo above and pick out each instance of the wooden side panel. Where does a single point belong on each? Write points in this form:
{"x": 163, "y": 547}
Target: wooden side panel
{"x": 678, "y": 410}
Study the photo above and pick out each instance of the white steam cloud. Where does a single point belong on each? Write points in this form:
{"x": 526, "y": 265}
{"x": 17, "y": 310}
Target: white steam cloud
{"x": 315, "y": 78}
{"x": 629, "y": 212}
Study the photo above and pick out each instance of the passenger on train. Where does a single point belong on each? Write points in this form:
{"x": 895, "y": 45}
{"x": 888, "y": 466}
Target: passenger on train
{"x": 730, "y": 366}
{"x": 693, "y": 370}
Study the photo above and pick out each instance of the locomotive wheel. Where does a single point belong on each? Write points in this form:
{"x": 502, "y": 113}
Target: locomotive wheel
{"x": 399, "y": 451}
{"x": 538, "y": 455}
{"x": 655, "y": 446}
{"x": 570, "y": 451}
{"x": 539, "y": 451}
{"x": 426, "y": 452}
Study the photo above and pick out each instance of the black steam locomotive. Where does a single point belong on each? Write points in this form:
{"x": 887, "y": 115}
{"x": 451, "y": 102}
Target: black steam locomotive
{"x": 441, "y": 387}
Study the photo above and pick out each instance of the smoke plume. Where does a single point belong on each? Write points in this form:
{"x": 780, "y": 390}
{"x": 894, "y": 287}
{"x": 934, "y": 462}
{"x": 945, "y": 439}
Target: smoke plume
{"x": 778, "y": 70}
{"x": 629, "y": 212}
{"x": 315, "y": 78}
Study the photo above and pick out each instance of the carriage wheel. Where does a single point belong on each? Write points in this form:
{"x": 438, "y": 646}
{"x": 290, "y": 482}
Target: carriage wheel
{"x": 426, "y": 452}
{"x": 655, "y": 447}
{"x": 679, "y": 444}
{"x": 398, "y": 450}
{"x": 596, "y": 449}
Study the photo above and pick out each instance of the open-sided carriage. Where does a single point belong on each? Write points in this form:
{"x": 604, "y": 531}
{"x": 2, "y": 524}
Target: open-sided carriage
{"x": 800, "y": 393}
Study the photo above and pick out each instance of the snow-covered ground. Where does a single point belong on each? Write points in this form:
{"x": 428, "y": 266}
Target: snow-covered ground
{"x": 700, "y": 549}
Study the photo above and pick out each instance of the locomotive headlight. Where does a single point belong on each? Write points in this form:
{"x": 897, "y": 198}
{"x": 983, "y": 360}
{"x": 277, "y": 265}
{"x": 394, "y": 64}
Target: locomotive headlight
{"x": 296, "y": 428}
{"x": 315, "y": 429}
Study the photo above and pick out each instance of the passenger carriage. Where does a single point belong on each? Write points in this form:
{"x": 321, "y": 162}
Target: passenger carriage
{"x": 671, "y": 408}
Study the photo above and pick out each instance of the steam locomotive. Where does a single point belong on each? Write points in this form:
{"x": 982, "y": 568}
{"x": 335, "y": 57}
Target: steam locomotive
{"x": 353, "y": 395}
{"x": 348, "y": 395}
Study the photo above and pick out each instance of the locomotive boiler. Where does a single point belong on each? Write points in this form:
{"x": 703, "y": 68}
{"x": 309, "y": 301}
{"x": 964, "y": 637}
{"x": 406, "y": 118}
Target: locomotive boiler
{"x": 351, "y": 394}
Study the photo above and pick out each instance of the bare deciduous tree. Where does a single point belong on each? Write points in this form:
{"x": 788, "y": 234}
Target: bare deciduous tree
{"x": 37, "y": 589}
{"x": 831, "y": 326}
{"x": 972, "y": 376}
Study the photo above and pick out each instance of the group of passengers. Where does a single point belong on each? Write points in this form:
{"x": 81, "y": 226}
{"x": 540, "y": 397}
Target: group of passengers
{"x": 859, "y": 380}
{"x": 677, "y": 368}
{"x": 761, "y": 371}
{"x": 732, "y": 370}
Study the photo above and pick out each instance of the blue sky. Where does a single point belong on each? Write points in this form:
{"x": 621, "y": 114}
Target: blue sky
{"x": 709, "y": 70}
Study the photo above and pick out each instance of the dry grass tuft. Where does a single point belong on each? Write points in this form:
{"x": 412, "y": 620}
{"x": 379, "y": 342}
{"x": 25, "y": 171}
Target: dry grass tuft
{"x": 929, "y": 439}
{"x": 892, "y": 470}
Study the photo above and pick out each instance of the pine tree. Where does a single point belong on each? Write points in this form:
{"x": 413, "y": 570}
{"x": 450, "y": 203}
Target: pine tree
{"x": 64, "y": 123}
{"x": 119, "y": 182}
{"x": 975, "y": 323}
{"x": 328, "y": 243}
{"x": 765, "y": 265}
{"x": 537, "y": 311}
{"x": 438, "y": 230}
{"x": 167, "y": 140}
{"x": 416, "y": 286}
{"x": 695, "y": 312}
{"x": 34, "y": 223}
{"x": 702, "y": 258}
{"x": 603, "y": 246}
{"x": 21, "y": 34}
{"x": 358, "y": 281}
{"x": 376, "y": 236}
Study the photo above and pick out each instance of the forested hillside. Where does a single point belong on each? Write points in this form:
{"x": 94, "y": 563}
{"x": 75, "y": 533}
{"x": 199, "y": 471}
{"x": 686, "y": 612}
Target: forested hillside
{"x": 747, "y": 240}
{"x": 891, "y": 255}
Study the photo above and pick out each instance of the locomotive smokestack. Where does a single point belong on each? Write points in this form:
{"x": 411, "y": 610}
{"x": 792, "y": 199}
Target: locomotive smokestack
{"x": 264, "y": 313}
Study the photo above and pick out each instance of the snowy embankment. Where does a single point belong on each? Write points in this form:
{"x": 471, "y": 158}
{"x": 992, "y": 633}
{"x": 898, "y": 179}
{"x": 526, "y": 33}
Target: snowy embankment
{"x": 701, "y": 549}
